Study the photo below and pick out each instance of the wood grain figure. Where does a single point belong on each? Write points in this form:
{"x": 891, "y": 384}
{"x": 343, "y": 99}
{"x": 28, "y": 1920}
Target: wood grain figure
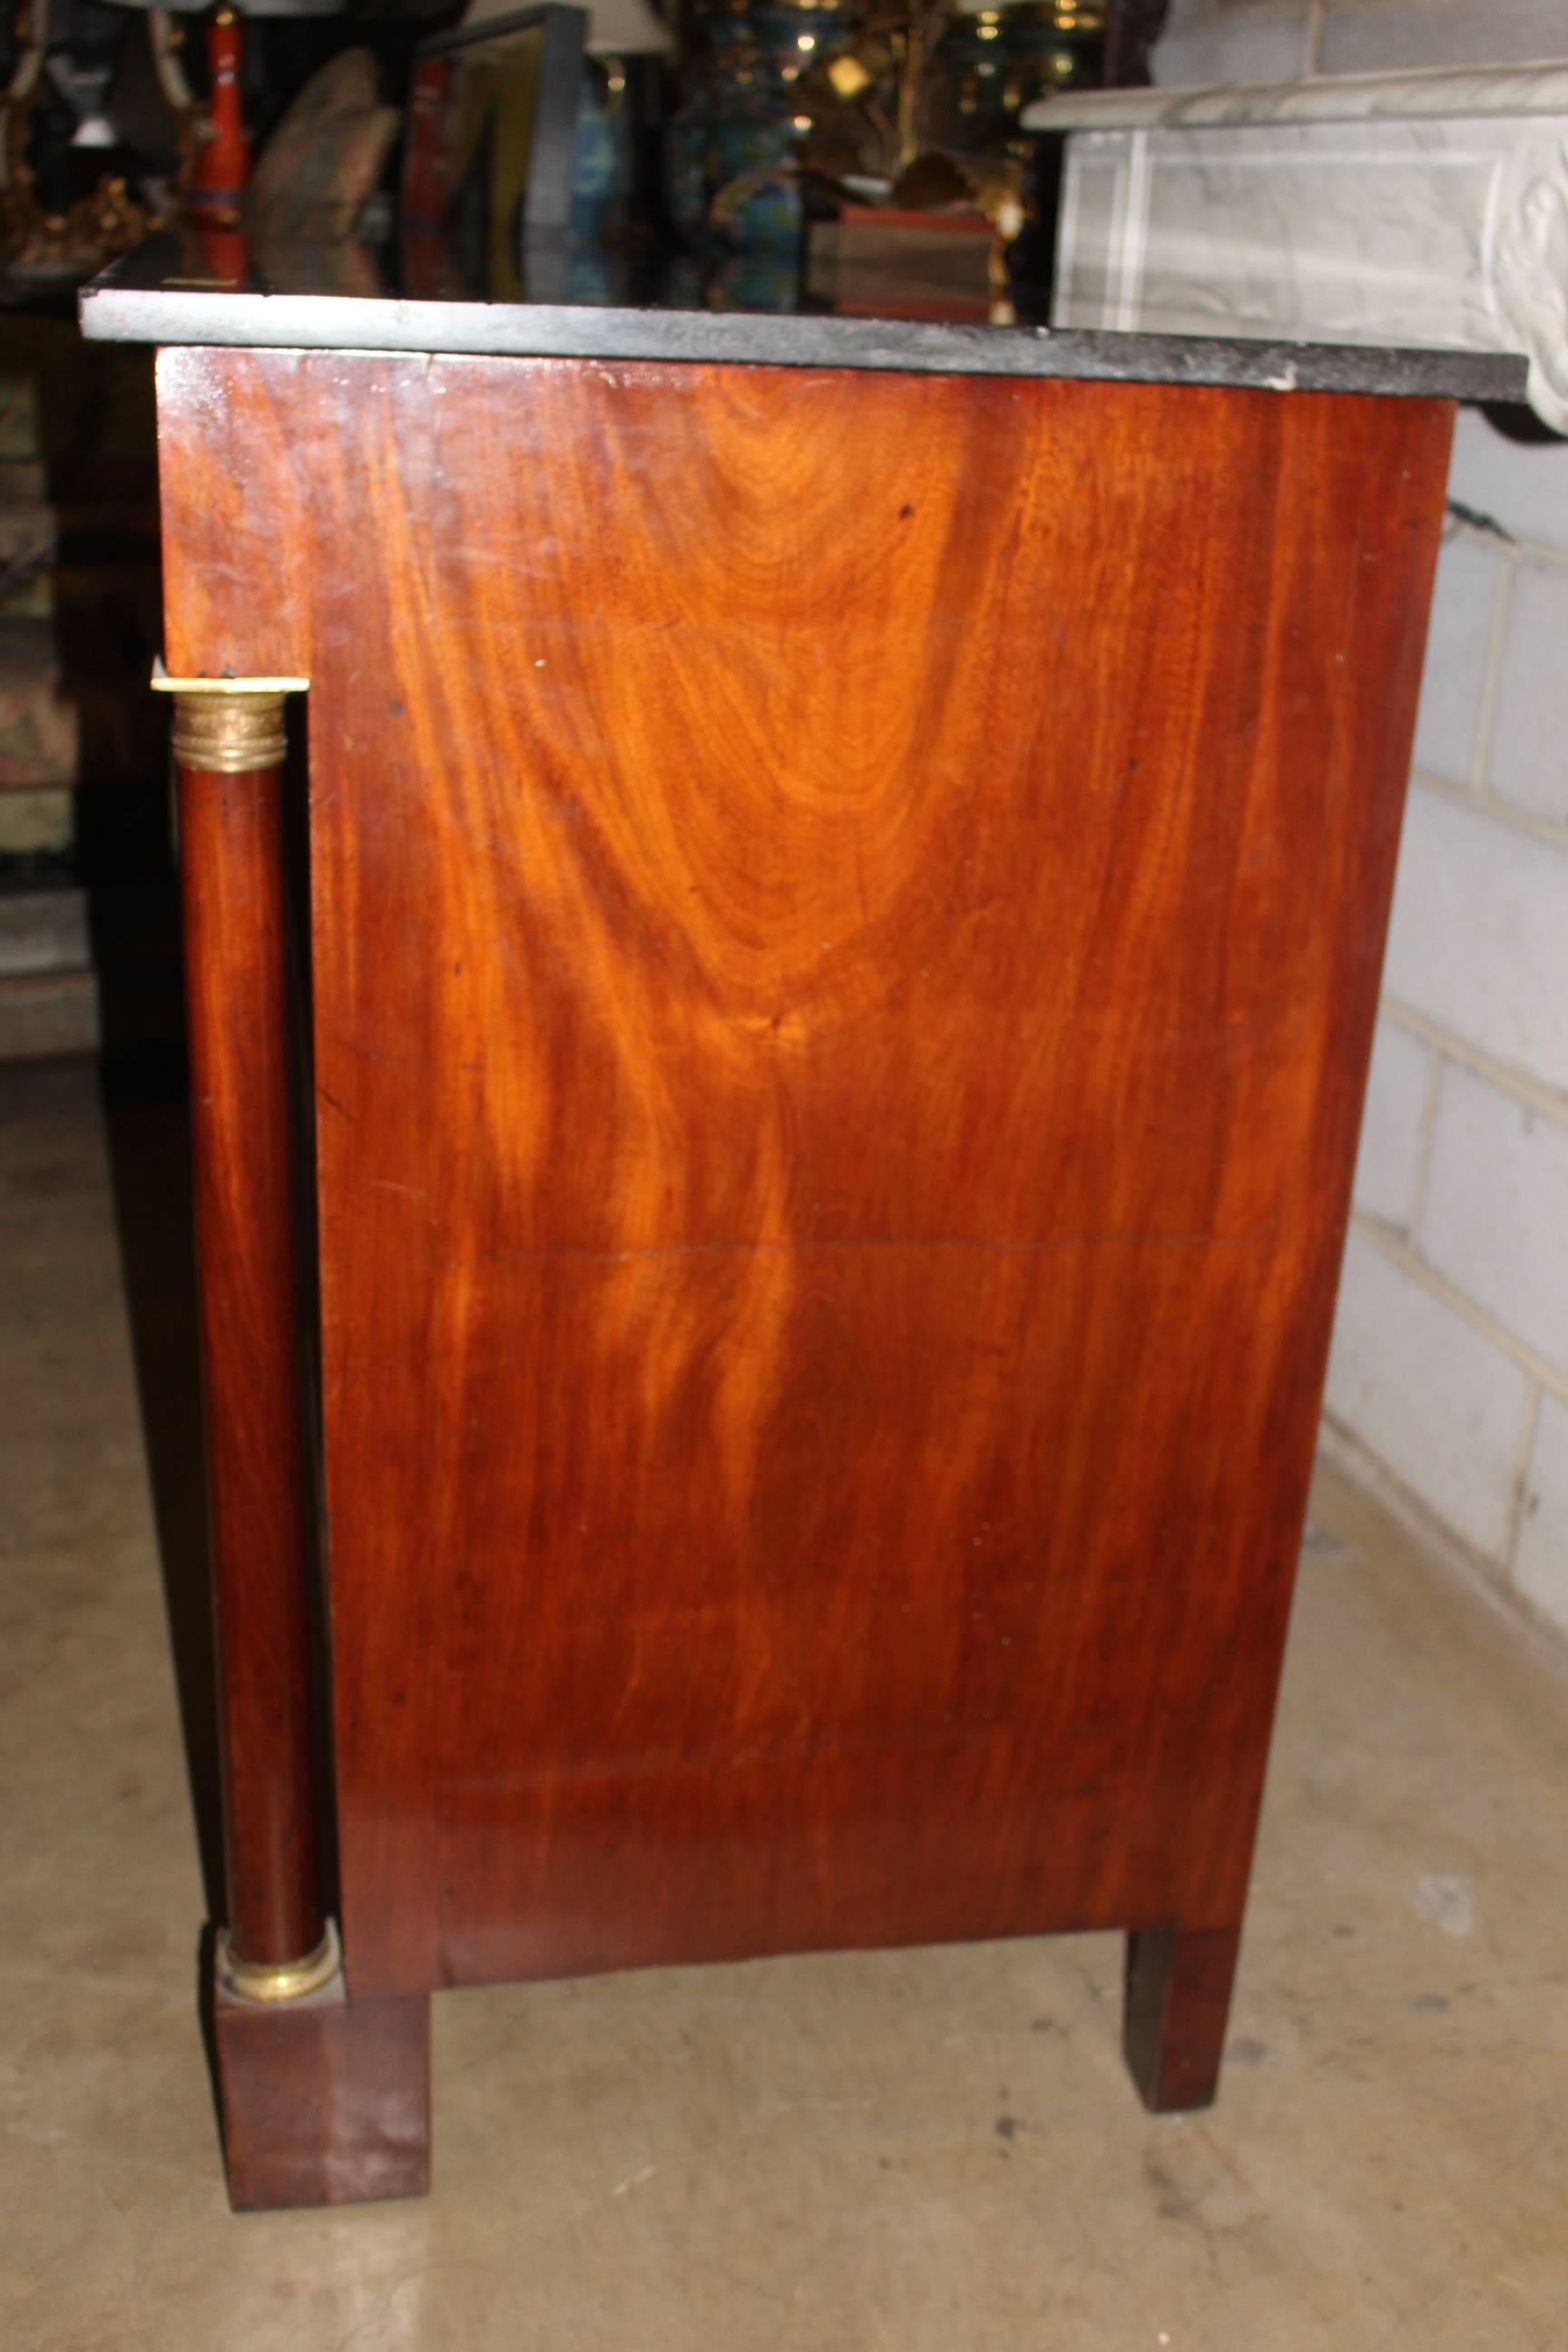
{"x": 847, "y": 915}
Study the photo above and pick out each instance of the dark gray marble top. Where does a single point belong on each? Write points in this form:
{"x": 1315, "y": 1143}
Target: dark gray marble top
{"x": 156, "y": 295}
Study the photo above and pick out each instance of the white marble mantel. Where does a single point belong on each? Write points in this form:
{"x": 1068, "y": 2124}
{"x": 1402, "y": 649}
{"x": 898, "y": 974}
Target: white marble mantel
{"x": 1428, "y": 209}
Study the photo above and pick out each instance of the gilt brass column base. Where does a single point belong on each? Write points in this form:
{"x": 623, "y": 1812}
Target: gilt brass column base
{"x": 278, "y": 1981}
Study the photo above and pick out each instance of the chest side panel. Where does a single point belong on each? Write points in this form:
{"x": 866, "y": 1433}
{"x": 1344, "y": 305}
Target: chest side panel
{"x": 847, "y": 915}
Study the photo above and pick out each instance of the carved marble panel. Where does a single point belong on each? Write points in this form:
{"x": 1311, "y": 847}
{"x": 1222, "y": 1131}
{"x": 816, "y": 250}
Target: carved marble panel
{"x": 1427, "y": 209}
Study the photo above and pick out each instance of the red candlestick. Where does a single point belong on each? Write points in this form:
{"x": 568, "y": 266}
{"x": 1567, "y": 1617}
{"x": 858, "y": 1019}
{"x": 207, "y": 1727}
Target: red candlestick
{"x": 223, "y": 164}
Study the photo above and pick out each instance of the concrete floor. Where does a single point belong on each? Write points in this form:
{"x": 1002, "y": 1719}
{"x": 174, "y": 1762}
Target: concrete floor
{"x": 926, "y": 2151}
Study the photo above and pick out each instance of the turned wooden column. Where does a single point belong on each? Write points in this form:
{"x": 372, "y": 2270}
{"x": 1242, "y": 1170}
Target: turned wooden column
{"x": 228, "y": 742}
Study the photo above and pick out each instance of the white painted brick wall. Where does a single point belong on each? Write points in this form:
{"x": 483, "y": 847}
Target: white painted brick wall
{"x": 1402, "y": 36}
{"x": 1540, "y": 1565}
{"x": 1429, "y": 1396}
{"x": 1275, "y": 41}
{"x": 1529, "y": 749}
{"x": 1451, "y": 1357}
{"x": 1459, "y": 647}
{"x": 1393, "y": 1130}
{"x": 1496, "y": 1218}
{"x": 1479, "y": 937}
{"x": 1233, "y": 40}
{"x": 1525, "y": 490}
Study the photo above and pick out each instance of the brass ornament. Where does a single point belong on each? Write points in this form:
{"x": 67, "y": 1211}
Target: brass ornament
{"x": 278, "y": 1980}
{"x": 229, "y": 736}
{"x": 228, "y": 726}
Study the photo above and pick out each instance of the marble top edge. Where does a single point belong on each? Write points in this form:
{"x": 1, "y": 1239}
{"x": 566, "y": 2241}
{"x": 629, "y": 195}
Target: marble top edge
{"x": 128, "y": 313}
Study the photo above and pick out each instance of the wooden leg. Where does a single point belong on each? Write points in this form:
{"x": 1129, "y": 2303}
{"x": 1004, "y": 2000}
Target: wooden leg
{"x": 1178, "y": 2000}
{"x": 326, "y": 2100}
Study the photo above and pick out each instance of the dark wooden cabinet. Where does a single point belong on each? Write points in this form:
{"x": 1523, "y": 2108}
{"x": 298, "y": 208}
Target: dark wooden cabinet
{"x": 846, "y": 908}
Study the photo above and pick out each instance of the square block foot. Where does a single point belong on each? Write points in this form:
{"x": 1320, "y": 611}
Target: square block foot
{"x": 1178, "y": 2002}
{"x": 325, "y": 2101}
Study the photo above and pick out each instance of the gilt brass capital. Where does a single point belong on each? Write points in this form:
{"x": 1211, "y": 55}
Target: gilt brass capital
{"x": 228, "y": 726}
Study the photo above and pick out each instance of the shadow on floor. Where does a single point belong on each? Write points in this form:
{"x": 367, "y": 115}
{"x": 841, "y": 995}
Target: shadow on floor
{"x": 149, "y": 1153}
{"x": 147, "y": 1128}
